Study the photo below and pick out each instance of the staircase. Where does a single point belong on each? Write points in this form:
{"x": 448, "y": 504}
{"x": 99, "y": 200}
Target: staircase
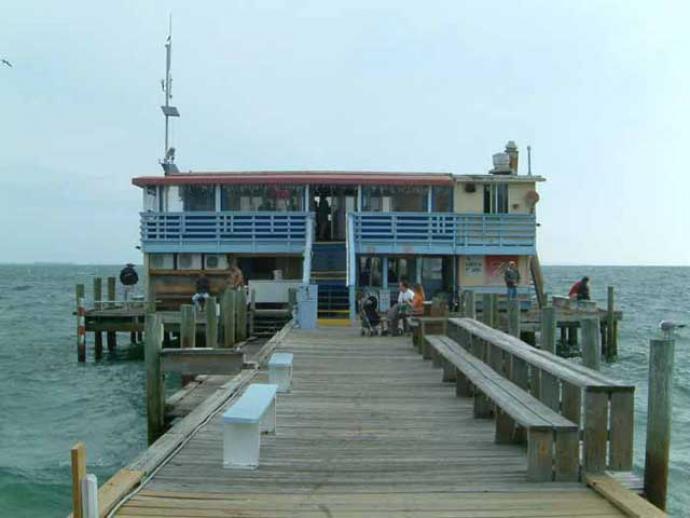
{"x": 329, "y": 272}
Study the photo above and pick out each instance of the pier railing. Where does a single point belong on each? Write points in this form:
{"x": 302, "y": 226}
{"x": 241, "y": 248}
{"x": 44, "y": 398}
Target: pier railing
{"x": 444, "y": 233}
{"x": 230, "y": 231}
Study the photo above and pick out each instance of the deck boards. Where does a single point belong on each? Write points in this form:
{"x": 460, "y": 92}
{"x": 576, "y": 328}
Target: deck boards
{"x": 369, "y": 430}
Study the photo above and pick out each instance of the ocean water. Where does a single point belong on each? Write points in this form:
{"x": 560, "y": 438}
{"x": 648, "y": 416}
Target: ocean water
{"x": 48, "y": 401}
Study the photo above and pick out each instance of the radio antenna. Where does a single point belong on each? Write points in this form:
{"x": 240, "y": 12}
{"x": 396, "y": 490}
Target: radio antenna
{"x": 168, "y": 161}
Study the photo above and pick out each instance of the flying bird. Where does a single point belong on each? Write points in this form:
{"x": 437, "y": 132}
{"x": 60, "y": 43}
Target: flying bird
{"x": 5, "y": 62}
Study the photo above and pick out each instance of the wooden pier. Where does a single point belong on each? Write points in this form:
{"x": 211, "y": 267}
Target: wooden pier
{"x": 368, "y": 429}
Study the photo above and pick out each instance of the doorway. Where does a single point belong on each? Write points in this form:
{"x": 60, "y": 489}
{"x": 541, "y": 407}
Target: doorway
{"x": 330, "y": 204}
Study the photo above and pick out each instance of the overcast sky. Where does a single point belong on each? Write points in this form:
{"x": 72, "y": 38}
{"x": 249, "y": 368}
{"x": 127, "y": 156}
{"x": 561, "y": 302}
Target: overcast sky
{"x": 598, "y": 88}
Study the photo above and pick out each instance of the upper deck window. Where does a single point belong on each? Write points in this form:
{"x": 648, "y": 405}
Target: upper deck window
{"x": 496, "y": 198}
{"x": 198, "y": 197}
{"x": 403, "y": 198}
{"x": 441, "y": 199}
{"x": 262, "y": 197}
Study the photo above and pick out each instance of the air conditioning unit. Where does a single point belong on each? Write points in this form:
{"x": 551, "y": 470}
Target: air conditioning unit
{"x": 161, "y": 262}
{"x": 189, "y": 261}
{"x": 215, "y": 262}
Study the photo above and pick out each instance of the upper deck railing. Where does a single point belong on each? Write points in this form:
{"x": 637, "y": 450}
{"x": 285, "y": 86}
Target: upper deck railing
{"x": 225, "y": 232}
{"x": 444, "y": 233}
{"x": 372, "y": 232}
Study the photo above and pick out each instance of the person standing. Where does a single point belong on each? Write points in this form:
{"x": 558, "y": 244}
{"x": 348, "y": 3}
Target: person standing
{"x": 580, "y": 290}
{"x": 512, "y": 279}
{"x": 402, "y": 308}
{"x": 236, "y": 277}
{"x": 129, "y": 278}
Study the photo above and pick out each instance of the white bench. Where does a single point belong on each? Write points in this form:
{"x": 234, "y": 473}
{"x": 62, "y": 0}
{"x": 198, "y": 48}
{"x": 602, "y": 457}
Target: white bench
{"x": 280, "y": 370}
{"x": 251, "y": 415}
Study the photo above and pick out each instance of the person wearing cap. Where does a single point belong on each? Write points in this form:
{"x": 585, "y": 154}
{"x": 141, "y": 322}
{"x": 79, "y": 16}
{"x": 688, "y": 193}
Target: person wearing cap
{"x": 129, "y": 279}
{"x": 512, "y": 279}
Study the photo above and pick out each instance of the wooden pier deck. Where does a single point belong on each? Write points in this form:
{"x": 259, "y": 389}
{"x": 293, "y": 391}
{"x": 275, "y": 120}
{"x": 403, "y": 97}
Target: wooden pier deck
{"x": 368, "y": 430}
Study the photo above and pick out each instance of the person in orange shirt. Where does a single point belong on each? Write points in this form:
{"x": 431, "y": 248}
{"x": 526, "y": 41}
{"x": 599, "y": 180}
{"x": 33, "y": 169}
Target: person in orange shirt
{"x": 418, "y": 299}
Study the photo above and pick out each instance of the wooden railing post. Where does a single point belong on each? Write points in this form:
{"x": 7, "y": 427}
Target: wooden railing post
{"x": 155, "y": 389}
{"x": 227, "y": 311}
{"x": 211, "y": 322}
{"x": 78, "y": 456}
{"x": 111, "y": 336}
{"x": 241, "y": 331}
{"x": 591, "y": 342}
{"x": 548, "y": 329}
{"x": 513, "y": 311}
{"x": 489, "y": 309}
{"x": 661, "y": 359}
{"x": 187, "y": 326}
{"x": 470, "y": 304}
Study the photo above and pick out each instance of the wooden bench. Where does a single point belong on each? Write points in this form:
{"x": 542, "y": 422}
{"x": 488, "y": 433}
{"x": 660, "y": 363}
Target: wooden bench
{"x": 552, "y": 440}
{"x": 280, "y": 370}
{"x": 607, "y": 422}
{"x": 422, "y": 325}
{"x": 251, "y": 415}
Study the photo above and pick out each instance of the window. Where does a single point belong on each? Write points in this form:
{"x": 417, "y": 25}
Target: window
{"x": 441, "y": 199}
{"x": 496, "y": 198}
{"x": 402, "y": 198}
{"x": 262, "y": 197}
{"x": 198, "y": 197}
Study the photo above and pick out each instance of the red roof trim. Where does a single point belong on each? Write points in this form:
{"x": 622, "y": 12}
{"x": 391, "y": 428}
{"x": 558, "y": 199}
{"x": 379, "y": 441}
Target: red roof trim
{"x": 298, "y": 178}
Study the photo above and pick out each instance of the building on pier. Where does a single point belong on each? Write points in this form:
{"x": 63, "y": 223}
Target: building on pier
{"x": 342, "y": 230}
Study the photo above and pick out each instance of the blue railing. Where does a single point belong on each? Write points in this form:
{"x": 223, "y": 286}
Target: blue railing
{"x": 225, "y": 232}
{"x": 444, "y": 233}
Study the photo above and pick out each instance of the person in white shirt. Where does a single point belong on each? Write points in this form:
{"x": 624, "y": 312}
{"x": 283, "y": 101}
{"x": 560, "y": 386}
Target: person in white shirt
{"x": 401, "y": 308}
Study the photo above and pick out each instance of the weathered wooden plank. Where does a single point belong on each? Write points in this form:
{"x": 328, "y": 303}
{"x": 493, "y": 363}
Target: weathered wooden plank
{"x": 595, "y": 432}
{"x": 202, "y": 360}
{"x": 621, "y": 431}
{"x": 631, "y": 504}
{"x": 115, "y": 488}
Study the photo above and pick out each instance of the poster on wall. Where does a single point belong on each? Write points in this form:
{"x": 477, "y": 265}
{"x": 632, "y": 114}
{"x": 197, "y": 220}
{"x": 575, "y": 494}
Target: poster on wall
{"x": 495, "y": 267}
{"x": 474, "y": 265}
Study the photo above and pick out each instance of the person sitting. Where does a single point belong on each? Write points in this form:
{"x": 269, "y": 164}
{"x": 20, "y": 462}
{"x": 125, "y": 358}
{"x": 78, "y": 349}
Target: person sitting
{"x": 580, "y": 290}
{"x": 402, "y": 308}
{"x": 203, "y": 288}
{"x": 129, "y": 278}
{"x": 418, "y": 300}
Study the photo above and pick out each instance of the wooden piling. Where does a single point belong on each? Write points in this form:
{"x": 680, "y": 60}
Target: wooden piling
{"x": 489, "y": 309}
{"x": 470, "y": 304}
{"x": 227, "y": 310}
{"x": 611, "y": 339}
{"x": 211, "y": 322}
{"x": 97, "y": 292}
{"x": 187, "y": 326}
{"x": 514, "y": 317}
{"x": 155, "y": 389}
{"x": 78, "y": 457}
{"x": 81, "y": 332}
{"x": 98, "y": 344}
{"x": 548, "y": 329}
{"x": 591, "y": 346}
{"x": 241, "y": 307}
{"x": 112, "y": 295}
{"x": 661, "y": 359}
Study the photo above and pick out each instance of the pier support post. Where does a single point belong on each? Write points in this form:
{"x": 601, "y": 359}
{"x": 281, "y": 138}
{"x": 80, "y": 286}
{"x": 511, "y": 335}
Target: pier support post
{"x": 611, "y": 342}
{"x": 661, "y": 359}
{"x": 111, "y": 291}
{"x": 111, "y": 336}
{"x": 81, "y": 324}
{"x": 591, "y": 343}
{"x": 514, "y": 317}
{"x": 227, "y": 311}
{"x": 98, "y": 344}
{"x": 187, "y": 326}
{"x": 211, "y": 322}
{"x": 78, "y": 457}
{"x": 548, "y": 329}
{"x": 155, "y": 389}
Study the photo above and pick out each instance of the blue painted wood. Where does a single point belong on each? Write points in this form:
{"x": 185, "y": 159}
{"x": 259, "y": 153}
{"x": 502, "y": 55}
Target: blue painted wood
{"x": 281, "y": 360}
{"x": 252, "y": 405}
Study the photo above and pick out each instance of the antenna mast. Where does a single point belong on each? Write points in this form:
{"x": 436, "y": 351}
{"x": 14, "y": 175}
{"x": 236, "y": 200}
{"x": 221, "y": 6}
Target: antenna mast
{"x": 168, "y": 162}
